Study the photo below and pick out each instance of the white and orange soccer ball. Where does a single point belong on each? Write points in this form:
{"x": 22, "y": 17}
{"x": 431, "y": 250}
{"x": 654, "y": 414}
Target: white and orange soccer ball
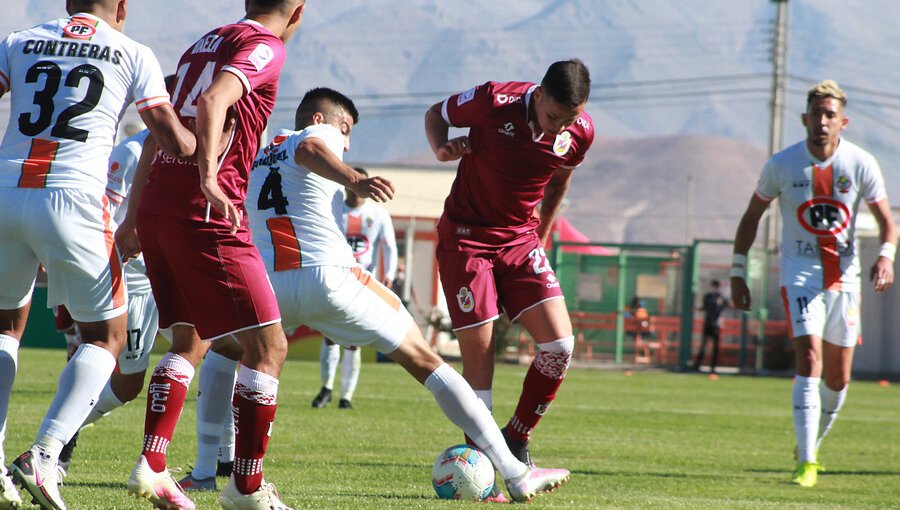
{"x": 463, "y": 472}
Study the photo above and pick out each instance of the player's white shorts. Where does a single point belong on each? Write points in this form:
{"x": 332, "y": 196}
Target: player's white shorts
{"x": 68, "y": 231}
{"x": 832, "y": 315}
{"x": 346, "y": 304}
{"x": 143, "y": 324}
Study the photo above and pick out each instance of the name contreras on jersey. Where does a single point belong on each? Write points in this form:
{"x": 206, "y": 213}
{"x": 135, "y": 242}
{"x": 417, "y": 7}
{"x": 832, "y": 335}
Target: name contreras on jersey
{"x": 208, "y": 44}
{"x": 52, "y": 48}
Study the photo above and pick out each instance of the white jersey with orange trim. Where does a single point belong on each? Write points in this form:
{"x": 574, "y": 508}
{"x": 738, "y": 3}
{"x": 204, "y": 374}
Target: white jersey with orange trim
{"x": 295, "y": 214}
{"x": 122, "y": 165}
{"x": 369, "y": 231}
{"x": 71, "y": 79}
{"x": 819, "y": 201}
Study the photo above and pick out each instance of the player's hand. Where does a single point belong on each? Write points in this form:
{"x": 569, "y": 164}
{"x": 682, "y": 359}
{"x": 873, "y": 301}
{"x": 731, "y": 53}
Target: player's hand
{"x": 454, "y": 149}
{"x": 882, "y": 273}
{"x": 740, "y": 294}
{"x": 220, "y": 203}
{"x": 127, "y": 240}
{"x": 377, "y": 188}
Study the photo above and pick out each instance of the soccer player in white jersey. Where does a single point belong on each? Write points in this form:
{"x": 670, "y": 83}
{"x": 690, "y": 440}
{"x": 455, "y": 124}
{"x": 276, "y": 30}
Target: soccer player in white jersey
{"x": 369, "y": 230}
{"x": 296, "y": 226}
{"x": 70, "y": 80}
{"x": 819, "y": 182}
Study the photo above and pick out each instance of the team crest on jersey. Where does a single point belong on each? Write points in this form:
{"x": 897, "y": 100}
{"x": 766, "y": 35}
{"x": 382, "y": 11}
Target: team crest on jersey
{"x": 824, "y": 216}
{"x": 562, "y": 143}
{"x": 465, "y": 300}
{"x": 843, "y": 184}
{"x": 80, "y": 28}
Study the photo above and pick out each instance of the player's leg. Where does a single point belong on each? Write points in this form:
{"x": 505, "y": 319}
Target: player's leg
{"x": 699, "y": 360}
{"x": 807, "y": 405}
{"x": 329, "y": 356}
{"x": 716, "y": 338}
{"x": 254, "y": 405}
{"x": 12, "y": 323}
{"x": 462, "y": 407}
{"x": 215, "y": 389}
{"x": 549, "y": 325}
{"x": 837, "y": 361}
{"x": 74, "y": 226}
{"x": 838, "y": 347}
{"x": 350, "y": 367}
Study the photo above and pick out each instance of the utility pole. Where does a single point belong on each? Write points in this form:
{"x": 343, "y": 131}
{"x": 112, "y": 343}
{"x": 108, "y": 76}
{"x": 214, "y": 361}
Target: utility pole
{"x": 772, "y": 227}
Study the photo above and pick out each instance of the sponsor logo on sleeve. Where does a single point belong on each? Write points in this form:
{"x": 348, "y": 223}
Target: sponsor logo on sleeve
{"x": 562, "y": 143}
{"x": 583, "y": 123}
{"x": 465, "y": 300}
{"x": 261, "y": 56}
{"x": 507, "y": 98}
{"x": 465, "y": 97}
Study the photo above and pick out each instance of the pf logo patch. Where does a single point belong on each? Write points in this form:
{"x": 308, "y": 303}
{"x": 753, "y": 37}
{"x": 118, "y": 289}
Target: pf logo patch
{"x": 465, "y": 300}
{"x": 824, "y": 216}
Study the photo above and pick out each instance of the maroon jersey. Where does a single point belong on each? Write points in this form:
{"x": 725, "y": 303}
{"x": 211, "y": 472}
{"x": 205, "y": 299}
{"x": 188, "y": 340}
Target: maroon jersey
{"x": 503, "y": 179}
{"x": 255, "y": 56}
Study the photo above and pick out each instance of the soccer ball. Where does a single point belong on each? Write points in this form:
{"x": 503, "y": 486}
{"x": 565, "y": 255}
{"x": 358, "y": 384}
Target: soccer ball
{"x": 463, "y": 472}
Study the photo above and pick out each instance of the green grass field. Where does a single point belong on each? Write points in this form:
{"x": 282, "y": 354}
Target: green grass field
{"x": 647, "y": 440}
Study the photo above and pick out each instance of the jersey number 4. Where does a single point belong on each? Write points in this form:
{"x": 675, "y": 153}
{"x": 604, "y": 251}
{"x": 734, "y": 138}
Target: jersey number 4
{"x": 44, "y": 100}
{"x": 271, "y": 195}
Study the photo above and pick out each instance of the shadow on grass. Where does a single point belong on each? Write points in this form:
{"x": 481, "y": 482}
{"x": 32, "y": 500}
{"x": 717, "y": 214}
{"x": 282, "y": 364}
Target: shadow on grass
{"x": 644, "y": 474}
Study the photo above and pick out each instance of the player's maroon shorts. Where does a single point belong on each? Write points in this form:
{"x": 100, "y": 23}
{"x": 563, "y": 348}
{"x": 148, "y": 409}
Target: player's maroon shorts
{"x": 204, "y": 276}
{"x": 484, "y": 270}
{"x": 64, "y": 321}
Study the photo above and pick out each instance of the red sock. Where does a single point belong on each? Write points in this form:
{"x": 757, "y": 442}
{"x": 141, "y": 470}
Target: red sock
{"x": 538, "y": 390}
{"x": 165, "y": 400}
{"x": 254, "y": 413}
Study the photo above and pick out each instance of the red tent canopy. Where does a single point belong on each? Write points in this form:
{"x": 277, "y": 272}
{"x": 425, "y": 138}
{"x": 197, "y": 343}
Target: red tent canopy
{"x": 566, "y": 232}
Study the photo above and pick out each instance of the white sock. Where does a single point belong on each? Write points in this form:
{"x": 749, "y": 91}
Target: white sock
{"x": 486, "y": 398}
{"x": 226, "y": 443}
{"x": 462, "y": 407}
{"x": 9, "y": 355}
{"x": 79, "y": 388}
{"x": 216, "y": 386}
{"x": 107, "y": 403}
{"x": 329, "y": 355}
{"x": 832, "y": 401}
{"x": 807, "y": 405}
{"x": 350, "y": 372}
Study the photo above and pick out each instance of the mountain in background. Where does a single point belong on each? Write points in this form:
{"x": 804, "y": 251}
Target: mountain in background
{"x": 680, "y": 88}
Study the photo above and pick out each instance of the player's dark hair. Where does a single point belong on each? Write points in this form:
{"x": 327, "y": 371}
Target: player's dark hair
{"x": 568, "y": 82}
{"x": 267, "y": 6}
{"x": 361, "y": 170}
{"x": 715, "y": 283}
{"x": 324, "y": 100}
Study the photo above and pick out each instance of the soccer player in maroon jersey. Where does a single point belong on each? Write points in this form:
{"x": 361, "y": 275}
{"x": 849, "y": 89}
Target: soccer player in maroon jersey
{"x": 207, "y": 275}
{"x": 523, "y": 144}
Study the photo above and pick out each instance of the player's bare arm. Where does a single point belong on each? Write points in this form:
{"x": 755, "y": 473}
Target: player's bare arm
{"x": 314, "y": 155}
{"x": 743, "y": 240}
{"x": 212, "y": 111}
{"x": 882, "y": 272}
{"x": 126, "y": 234}
{"x": 554, "y": 193}
{"x": 437, "y": 130}
{"x": 168, "y": 131}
